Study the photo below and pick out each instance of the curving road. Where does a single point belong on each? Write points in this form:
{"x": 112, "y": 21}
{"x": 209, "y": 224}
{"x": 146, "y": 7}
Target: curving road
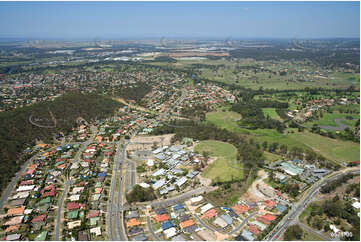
{"x": 341, "y": 126}
{"x": 149, "y": 224}
{"x": 14, "y": 181}
{"x": 298, "y": 208}
{"x": 243, "y": 223}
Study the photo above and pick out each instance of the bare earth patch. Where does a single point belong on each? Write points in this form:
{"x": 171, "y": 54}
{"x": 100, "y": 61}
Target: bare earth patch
{"x": 203, "y": 180}
{"x": 256, "y": 191}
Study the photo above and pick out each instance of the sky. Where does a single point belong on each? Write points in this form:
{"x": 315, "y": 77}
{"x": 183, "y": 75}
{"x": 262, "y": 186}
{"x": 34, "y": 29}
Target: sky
{"x": 127, "y": 20}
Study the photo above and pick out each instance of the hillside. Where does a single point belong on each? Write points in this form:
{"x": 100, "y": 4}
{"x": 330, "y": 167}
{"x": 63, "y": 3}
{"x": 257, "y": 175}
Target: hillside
{"x": 17, "y": 133}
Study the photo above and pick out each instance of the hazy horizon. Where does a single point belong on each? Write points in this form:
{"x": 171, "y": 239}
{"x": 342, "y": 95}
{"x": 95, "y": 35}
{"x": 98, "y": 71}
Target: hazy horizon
{"x": 188, "y": 20}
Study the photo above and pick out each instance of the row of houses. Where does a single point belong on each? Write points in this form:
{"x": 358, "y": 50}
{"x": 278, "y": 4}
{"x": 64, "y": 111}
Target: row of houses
{"x": 31, "y": 204}
{"x": 169, "y": 177}
{"x": 85, "y": 204}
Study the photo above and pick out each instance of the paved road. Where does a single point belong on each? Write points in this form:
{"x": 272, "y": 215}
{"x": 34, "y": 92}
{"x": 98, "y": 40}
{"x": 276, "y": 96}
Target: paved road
{"x": 173, "y": 200}
{"x": 120, "y": 157}
{"x": 298, "y": 208}
{"x": 149, "y": 224}
{"x": 313, "y": 231}
{"x": 14, "y": 181}
{"x": 69, "y": 182}
{"x": 243, "y": 223}
{"x": 207, "y": 226}
{"x": 111, "y": 203}
{"x": 60, "y": 206}
{"x": 112, "y": 210}
{"x": 118, "y": 209}
{"x": 340, "y": 126}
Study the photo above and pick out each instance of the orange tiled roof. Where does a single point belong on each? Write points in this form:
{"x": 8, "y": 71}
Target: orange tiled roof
{"x": 270, "y": 203}
{"x": 98, "y": 190}
{"x": 133, "y": 222}
{"x": 161, "y": 218}
{"x": 15, "y": 211}
{"x": 187, "y": 223}
{"x": 210, "y": 213}
{"x": 263, "y": 220}
{"x": 11, "y": 228}
{"x": 240, "y": 208}
{"x": 254, "y": 230}
{"x": 269, "y": 217}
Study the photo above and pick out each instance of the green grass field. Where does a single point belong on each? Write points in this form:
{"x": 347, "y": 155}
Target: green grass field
{"x": 328, "y": 119}
{"x": 350, "y": 107}
{"x": 219, "y": 169}
{"x": 336, "y": 150}
{"x": 226, "y": 120}
{"x": 272, "y": 113}
{"x": 271, "y": 157}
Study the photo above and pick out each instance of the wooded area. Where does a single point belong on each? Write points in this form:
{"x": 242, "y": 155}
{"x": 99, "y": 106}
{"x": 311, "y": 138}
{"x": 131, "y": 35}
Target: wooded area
{"x": 17, "y": 133}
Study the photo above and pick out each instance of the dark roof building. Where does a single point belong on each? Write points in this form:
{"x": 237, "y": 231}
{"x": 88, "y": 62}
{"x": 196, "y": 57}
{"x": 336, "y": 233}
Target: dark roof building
{"x": 191, "y": 228}
{"x": 167, "y": 225}
{"x": 83, "y": 236}
{"x": 135, "y": 230}
{"x": 160, "y": 211}
{"x": 140, "y": 237}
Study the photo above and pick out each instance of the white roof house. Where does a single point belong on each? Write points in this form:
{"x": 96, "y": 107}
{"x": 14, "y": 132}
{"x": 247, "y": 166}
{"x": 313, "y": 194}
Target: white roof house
{"x": 196, "y": 199}
{"x": 181, "y": 181}
{"x": 160, "y": 149}
{"x": 74, "y": 198}
{"x": 21, "y": 195}
{"x": 159, "y": 172}
{"x": 144, "y": 185}
{"x": 333, "y": 228}
{"x": 170, "y": 232}
{"x": 150, "y": 162}
{"x": 97, "y": 231}
{"x": 356, "y": 205}
{"x": 159, "y": 184}
{"x": 28, "y": 211}
{"x": 220, "y": 222}
{"x": 75, "y": 165}
{"x": 25, "y": 188}
{"x": 260, "y": 225}
{"x": 206, "y": 207}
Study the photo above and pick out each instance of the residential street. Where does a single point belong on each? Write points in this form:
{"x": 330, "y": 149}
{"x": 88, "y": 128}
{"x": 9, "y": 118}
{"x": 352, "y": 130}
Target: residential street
{"x": 60, "y": 206}
{"x": 149, "y": 224}
{"x": 69, "y": 182}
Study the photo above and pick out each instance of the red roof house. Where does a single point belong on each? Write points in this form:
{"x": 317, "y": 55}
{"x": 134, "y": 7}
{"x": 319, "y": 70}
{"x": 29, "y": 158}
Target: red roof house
{"x": 73, "y": 206}
{"x": 161, "y": 218}
{"x": 38, "y": 218}
{"x": 210, "y": 213}
{"x": 270, "y": 203}
{"x": 253, "y": 229}
{"x": 238, "y": 208}
{"x": 93, "y": 214}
